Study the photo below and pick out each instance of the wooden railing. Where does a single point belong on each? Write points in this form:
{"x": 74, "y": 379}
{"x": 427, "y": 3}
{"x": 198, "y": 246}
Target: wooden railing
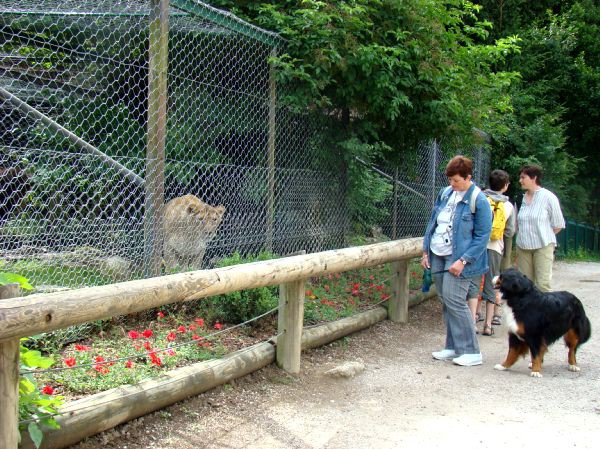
{"x": 35, "y": 314}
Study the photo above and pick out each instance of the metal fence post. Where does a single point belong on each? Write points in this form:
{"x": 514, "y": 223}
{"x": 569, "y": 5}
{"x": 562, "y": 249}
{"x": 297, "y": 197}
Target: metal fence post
{"x": 433, "y": 159}
{"x": 398, "y": 304}
{"x": 289, "y": 329}
{"x": 395, "y": 207}
{"x": 157, "y": 134}
{"x": 271, "y": 155}
{"x": 9, "y": 382}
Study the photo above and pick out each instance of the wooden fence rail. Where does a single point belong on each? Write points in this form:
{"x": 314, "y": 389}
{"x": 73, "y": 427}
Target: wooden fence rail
{"x": 35, "y": 314}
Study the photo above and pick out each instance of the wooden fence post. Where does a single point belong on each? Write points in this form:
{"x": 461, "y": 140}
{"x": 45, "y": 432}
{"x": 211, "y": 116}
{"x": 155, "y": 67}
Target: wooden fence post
{"x": 289, "y": 328}
{"x": 398, "y": 303}
{"x": 9, "y": 382}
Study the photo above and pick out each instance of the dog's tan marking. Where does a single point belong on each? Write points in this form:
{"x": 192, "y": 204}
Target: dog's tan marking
{"x": 514, "y": 352}
{"x": 536, "y": 362}
{"x": 572, "y": 340}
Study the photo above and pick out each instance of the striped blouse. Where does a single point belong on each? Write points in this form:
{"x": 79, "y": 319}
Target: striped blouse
{"x": 536, "y": 220}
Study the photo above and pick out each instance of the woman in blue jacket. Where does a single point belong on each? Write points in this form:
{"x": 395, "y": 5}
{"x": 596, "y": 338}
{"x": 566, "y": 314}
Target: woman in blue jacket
{"x": 454, "y": 248}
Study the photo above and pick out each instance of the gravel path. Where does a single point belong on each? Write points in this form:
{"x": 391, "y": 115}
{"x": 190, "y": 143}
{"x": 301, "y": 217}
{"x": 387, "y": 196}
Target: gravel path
{"x": 403, "y": 398}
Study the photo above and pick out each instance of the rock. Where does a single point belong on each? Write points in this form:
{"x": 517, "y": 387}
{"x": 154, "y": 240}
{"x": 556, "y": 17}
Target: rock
{"x": 348, "y": 370}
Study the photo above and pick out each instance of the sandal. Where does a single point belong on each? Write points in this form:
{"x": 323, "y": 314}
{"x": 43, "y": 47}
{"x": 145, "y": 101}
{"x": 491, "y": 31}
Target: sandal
{"x": 497, "y": 320}
{"x": 478, "y": 317}
{"x": 488, "y": 331}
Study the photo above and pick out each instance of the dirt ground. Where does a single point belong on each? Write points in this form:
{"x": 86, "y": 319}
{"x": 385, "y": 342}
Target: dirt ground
{"x": 403, "y": 398}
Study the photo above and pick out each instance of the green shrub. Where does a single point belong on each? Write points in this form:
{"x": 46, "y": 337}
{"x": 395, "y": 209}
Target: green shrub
{"x": 240, "y": 306}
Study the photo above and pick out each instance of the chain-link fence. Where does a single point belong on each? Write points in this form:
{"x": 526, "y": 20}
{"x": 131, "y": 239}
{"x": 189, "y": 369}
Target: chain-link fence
{"x": 414, "y": 184}
{"x": 137, "y": 140}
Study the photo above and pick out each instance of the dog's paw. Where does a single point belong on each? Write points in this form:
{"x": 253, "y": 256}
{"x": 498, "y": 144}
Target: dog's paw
{"x": 500, "y": 367}
{"x": 574, "y": 368}
{"x": 536, "y": 374}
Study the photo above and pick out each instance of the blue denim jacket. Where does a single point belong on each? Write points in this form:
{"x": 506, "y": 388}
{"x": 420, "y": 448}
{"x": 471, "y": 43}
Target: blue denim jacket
{"x": 470, "y": 232}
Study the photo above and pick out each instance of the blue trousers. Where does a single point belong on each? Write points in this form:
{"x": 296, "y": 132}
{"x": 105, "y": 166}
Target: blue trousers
{"x": 460, "y": 332}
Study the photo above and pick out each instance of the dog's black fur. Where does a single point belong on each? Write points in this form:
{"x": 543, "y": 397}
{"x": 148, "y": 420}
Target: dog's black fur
{"x": 539, "y": 320}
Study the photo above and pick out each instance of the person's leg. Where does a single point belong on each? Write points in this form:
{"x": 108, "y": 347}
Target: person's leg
{"x": 438, "y": 265}
{"x": 473, "y": 298}
{"x": 525, "y": 262}
{"x": 489, "y": 293}
{"x": 459, "y": 321}
{"x": 542, "y": 266}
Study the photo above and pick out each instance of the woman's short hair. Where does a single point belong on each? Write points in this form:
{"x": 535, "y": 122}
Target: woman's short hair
{"x": 498, "y": 179}
{"x": 459, "y": 165}
{"x": 533, "y": 171}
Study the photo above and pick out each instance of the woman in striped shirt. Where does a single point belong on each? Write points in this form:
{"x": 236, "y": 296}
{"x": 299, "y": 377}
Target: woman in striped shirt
{"x": 539, "y": 220}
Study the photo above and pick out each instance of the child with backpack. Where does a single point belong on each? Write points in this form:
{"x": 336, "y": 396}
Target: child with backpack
{"x": 503, "y": 225}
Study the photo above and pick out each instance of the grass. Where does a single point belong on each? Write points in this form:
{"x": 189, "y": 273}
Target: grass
{"x": 579, "y": 255}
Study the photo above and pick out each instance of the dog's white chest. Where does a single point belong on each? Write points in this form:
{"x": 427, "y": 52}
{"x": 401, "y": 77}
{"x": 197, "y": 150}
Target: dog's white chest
{"x": 509, "y": 317}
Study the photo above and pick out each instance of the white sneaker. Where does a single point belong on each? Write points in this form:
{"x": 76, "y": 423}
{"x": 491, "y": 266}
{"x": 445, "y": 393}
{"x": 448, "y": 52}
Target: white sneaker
{"x": 469, "y": 360}
{"x": 444, "y": 354}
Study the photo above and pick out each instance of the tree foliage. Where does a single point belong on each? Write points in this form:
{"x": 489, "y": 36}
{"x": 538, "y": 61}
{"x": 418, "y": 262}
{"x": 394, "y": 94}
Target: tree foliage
{"x": 555, "y": 116}
{"x": 388, "y": 74}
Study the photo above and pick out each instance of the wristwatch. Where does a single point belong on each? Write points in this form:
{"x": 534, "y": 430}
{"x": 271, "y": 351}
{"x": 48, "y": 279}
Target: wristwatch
{"x": 463, "y": 261}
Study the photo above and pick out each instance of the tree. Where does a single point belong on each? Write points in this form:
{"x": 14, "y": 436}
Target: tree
{"x": 556, "y": 105}
{"x": 388, "y": 74}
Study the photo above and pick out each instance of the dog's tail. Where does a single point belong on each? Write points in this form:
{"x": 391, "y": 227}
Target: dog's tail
{"x": 581, "y": 323}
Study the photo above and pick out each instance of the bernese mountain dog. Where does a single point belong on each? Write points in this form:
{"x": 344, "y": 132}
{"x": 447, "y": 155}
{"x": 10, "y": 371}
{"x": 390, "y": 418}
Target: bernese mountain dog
{"x": 536, "y": 319}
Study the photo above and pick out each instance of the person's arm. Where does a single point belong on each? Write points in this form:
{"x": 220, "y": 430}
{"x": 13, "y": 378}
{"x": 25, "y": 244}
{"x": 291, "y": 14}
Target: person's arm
{"x": 557, "y": 221}
{"x": 511, "y": 221}
{"x": 482, "y": 228}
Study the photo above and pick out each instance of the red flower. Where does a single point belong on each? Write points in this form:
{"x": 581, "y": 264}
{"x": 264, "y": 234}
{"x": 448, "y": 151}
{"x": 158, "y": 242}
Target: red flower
{"x": 171, "y": 336}
{"x": 156, "y": 360}
{"x": 182, "y": 329}
{"x": 147, "y": 333}
{"x": 160, "y": 315}
{"x": 196, "y": 337}
{"x": 218, "y": 326}
{"x": 133, "y": 335}
{"x": 356, "y": 286}
{"x": 372, "y": 277}
{"x": 101, "y": 369}
{"x": 48, "y": 390}
{"x": 128, "y": 364}
{"x": 70, "y": 361}
{"x": 308, "y": 293}
{"x": 147, "y": 346}
{"x": 82, "y": 348}
{"x": 355, "y": 292}
{"x": 379, "y": 287}
{"x": 171, "y": 352}
{"x": 200, "y": 322}
{"x": 384, "y": 297}
{"x": 192, "y": 327}
{"x": 99, "y": 358}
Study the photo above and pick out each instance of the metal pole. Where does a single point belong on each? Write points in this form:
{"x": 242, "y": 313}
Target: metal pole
{"x": 271, "y": 155}
{"x": 433, "y": 159}
{"x": 157, "y": 131}
{"x": 33, "y": 113}
{"x": 395, "y": 207}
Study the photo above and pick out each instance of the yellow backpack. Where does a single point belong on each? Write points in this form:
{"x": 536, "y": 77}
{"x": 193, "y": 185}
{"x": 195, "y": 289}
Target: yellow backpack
{"x": 499, "y": 219}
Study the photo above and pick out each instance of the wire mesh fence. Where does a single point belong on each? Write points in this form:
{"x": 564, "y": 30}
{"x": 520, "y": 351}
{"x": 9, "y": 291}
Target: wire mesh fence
{"x": 137, "y": 140}
{"x": 413, "y": 185}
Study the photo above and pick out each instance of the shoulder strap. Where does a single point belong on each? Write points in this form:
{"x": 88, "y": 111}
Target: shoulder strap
{"x": 474, "y": 195}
